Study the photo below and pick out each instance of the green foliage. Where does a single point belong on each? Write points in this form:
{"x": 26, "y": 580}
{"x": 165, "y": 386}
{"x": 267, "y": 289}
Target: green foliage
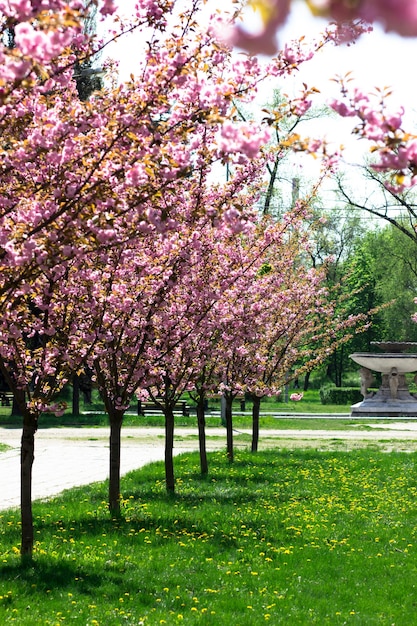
{"x": 357, "y": 295}
{"x": 300, "y": 537}
{"x": 394, "y": 266}
{"x": 340, "y": 395}
{"x": 266, "y": 268}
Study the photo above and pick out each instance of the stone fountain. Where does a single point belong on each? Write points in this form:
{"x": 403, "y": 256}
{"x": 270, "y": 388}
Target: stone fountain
{"x": 393, "y": 398}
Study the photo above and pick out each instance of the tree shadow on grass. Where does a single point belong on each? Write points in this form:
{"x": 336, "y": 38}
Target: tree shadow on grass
{"x": 46, "y": 573}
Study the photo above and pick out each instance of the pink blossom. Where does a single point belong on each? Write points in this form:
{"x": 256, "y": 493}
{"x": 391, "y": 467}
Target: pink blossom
{"x": 294, "y": 54}
{"x": 342, "y": 108}
{"x": 395, "y": 15}
{"x": 242, "y": 137}
{"x": 394, "y": 120}
{"x": 296, "y": 397}
{"x": 301, "y": 106}
{"x": 108, "y": 7}
{"x": 40, "y": 45}
{"x": 274, "y": 15}
{"x": 20, "y": 9}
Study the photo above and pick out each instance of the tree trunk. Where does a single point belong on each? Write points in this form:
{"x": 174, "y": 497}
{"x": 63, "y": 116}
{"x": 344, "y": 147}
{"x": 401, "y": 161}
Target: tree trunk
{"x": 116, "y": 419}
{"x": 229, "y": 427}
{"x": 76, "y": 396}
{"x": 201, "y": 420}
{"x": 255, "y": 422}
{"x": 27, "y": 456}
{"x": 169, "y": 450}
{"x": 306, "y": 381}
{"x": 270, "y": 191}
{"x": 16, "y": 411}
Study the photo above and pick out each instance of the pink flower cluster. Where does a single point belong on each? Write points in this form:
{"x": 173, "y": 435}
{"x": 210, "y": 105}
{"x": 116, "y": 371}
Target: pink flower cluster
{"x": 42, "y": 46}
{"x": 242, "y": 140}
{"x": 396, "y": 149}
{"x": 399, "y": 16}
{"x": 25, "y": 9}
{"x": 376, "y": 120}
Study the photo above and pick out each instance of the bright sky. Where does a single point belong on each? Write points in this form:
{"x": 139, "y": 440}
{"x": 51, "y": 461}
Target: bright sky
{"x": 376, "y": 60}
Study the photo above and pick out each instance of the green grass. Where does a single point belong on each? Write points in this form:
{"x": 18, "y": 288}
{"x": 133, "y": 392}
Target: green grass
{"x": 239, "y": 422}
{"x": 301, "y": 537}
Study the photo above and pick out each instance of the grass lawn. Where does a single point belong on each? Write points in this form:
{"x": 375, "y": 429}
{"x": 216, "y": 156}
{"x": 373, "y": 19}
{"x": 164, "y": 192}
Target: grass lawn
{"x": 286, "y": 537}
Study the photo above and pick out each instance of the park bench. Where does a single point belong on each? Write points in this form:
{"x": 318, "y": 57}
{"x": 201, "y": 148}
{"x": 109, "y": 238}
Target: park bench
{"x": 6, "y": 398}
{"x": 145, "y": 407}
{"x": 242, "y": 402}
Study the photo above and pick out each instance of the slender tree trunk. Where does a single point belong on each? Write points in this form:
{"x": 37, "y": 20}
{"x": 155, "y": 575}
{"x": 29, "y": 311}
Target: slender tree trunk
{"x": 201, "y": 420}
{"x": 229, "y": 428}
{"x": 27, "y": 456}
{"x": 16, "y": 412}
{"x": 269, "y": 193}
{"x": 116, "y": 419}
{"x": 255, "y": 422}
{"x": 169, "y": 450}
{"x": 306, "y": 381}
{"x": 76, "y": 396}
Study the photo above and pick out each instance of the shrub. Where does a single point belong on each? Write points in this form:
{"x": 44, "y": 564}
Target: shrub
{"x": 340, "y": 395}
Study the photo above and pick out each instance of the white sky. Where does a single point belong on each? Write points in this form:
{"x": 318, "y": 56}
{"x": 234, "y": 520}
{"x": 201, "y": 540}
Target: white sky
{"x": 376, "y": 60}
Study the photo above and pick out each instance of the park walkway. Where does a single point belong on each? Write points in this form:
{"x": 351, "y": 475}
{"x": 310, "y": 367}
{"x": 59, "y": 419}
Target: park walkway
{"x": 68, "y": 457}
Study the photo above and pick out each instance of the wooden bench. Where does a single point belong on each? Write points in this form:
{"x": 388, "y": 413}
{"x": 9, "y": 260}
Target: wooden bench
{"x": 152, "y": 407}
{"x": 6, "y": 398}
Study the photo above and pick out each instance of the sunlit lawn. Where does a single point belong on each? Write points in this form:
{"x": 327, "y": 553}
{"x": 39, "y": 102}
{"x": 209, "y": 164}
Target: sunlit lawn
{"x": 301, "y": 537}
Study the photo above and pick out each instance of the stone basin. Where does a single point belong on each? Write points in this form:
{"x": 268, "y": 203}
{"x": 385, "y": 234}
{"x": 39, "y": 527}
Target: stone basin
{"x": 383, "y": 363}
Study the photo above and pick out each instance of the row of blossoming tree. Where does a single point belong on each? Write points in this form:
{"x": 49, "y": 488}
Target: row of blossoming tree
{"x": 121, "y": 251}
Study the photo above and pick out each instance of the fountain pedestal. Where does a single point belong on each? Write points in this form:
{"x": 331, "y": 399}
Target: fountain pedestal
{"x": 393, "y": 398}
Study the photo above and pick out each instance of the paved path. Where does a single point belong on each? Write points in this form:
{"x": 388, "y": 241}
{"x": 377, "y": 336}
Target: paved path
{"x": 67, "y": 457}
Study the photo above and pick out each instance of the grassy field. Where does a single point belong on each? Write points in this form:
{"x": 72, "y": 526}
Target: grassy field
{"x": 300, "y": 537}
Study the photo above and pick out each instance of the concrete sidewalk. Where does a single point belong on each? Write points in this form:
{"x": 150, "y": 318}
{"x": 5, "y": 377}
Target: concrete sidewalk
{"x": 68, "y": 457}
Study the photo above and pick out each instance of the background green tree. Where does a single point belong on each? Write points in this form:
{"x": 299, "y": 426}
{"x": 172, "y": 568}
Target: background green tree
{"x": 392, "y": 265}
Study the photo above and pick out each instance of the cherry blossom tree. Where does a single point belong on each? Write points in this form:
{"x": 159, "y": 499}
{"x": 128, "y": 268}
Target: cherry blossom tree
{"x": 187, "y": 336}
{"x": 134, "y": 286}
{"x": 43, "y": 336}
{"x": 298, "y": 328}
{"x": 71, "y": 168}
